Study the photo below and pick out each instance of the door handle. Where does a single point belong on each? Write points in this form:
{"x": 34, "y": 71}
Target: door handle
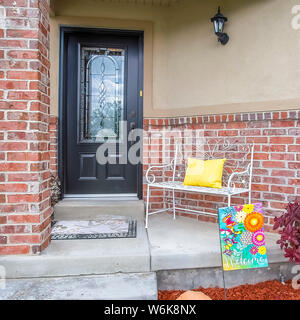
{"x": 131, "y": 135}
{"x": 132, "y": 126}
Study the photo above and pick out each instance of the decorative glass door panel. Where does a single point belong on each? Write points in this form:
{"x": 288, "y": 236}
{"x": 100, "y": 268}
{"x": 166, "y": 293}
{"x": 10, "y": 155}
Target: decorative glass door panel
{"x": 102, "y": 93}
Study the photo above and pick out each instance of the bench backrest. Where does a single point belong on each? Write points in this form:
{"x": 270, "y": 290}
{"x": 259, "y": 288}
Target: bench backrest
{"x": 239, "y": 158}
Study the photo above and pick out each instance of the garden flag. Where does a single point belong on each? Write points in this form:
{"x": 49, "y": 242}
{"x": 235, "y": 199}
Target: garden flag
{"x": 242, "y": 237}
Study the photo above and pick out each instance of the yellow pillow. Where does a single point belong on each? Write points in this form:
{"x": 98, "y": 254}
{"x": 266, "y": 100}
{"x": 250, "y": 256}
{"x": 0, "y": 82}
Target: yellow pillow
{"x": 204, "y": 173}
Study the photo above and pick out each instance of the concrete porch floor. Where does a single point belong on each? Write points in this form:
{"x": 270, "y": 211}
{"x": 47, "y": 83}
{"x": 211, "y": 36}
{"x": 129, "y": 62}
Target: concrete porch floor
{"x": 167, "y": 245}
{"x": 185, "y": 244}
{"x": 180, "y": 254}
{"x": 171, "y": 254}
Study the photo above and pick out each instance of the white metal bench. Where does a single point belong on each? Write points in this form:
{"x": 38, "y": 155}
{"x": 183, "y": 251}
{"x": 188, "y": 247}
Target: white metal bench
{"x": 237, "y": 174}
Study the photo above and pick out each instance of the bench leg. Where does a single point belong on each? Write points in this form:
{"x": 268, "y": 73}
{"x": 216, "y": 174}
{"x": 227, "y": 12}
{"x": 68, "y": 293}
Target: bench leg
{"x": 174, "y": 210}
{"x": 147, "y": 206}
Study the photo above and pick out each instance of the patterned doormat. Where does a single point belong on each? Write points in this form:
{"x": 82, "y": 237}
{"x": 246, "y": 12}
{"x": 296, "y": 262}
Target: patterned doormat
{"x": 104, "y": 227}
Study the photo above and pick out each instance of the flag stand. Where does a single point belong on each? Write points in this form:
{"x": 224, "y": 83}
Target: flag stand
{"x": 249, "y": 264}
{"x": 222, "y": 266}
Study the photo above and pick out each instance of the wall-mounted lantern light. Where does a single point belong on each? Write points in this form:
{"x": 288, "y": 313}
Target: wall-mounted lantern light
{"x": 219, "y": 21}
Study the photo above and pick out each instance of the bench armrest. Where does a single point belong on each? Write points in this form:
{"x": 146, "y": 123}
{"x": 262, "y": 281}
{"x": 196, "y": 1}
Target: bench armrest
{"x": 150, "y": 178}
{"x": 243, "y": 177}
{"x": 178, "y": 156}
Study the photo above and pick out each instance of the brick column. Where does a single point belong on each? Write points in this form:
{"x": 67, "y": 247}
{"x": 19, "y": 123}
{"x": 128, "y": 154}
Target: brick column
{"x": 24, "y": 126}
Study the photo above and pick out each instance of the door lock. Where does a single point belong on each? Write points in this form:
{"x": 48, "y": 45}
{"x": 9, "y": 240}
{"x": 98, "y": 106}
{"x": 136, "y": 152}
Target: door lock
{"x": 132, "y": 125}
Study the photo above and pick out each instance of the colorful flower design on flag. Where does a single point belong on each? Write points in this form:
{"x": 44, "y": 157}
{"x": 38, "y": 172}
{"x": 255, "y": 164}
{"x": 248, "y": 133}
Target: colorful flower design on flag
{"x": 248, "y": 208}
{"x": 246, "y": 238}
{"x": 242, "y": 237}
{"x": 262, "y": 250}
{"x": 253, "y": 250}
{"x": 258, "y": 238}
{"x": 240, "y": 216}
{"x": 254, "y": 221}
{"x": 257, "y": 207}
{"x": 238, "y": 208}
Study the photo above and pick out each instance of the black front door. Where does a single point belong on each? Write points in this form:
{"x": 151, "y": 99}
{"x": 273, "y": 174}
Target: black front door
{"x": 102, "y": 106}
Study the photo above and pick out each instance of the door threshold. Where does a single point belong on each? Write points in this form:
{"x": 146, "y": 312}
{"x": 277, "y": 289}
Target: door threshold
{"x": 114, "y": 196}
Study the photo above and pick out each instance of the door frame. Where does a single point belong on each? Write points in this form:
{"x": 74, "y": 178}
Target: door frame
{"x": 66, "y": 31}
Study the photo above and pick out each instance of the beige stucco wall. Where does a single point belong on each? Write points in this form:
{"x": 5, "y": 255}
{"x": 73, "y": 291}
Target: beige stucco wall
{"x": 187, "y": 71}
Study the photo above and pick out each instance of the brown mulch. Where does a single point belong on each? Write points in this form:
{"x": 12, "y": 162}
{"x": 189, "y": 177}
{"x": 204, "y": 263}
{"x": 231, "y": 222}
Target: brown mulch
{"x": 268, "y": 290}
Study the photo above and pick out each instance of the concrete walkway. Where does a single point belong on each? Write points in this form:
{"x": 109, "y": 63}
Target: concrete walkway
{"x": 138, "y": 286}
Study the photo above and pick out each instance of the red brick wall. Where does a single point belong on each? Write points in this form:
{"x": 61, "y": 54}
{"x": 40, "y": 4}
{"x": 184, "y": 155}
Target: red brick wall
{"x": 24, "y": 127}
{"x": 53, "y": 130}
{"x": 276, "y": 171}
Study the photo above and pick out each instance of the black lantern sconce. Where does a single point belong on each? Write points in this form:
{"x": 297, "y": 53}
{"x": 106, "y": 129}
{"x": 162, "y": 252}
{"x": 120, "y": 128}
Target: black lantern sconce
{"x": 219, "y": 21}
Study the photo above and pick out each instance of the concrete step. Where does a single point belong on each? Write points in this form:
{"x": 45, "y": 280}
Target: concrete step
{"x": 122, "y": 286}
{"x": 86, "y": 209}
{"x": 83, "y": 257}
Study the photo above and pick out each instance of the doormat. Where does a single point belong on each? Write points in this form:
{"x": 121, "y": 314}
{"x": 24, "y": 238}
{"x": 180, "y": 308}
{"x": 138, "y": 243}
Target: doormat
{"x": 99, "y": 228}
